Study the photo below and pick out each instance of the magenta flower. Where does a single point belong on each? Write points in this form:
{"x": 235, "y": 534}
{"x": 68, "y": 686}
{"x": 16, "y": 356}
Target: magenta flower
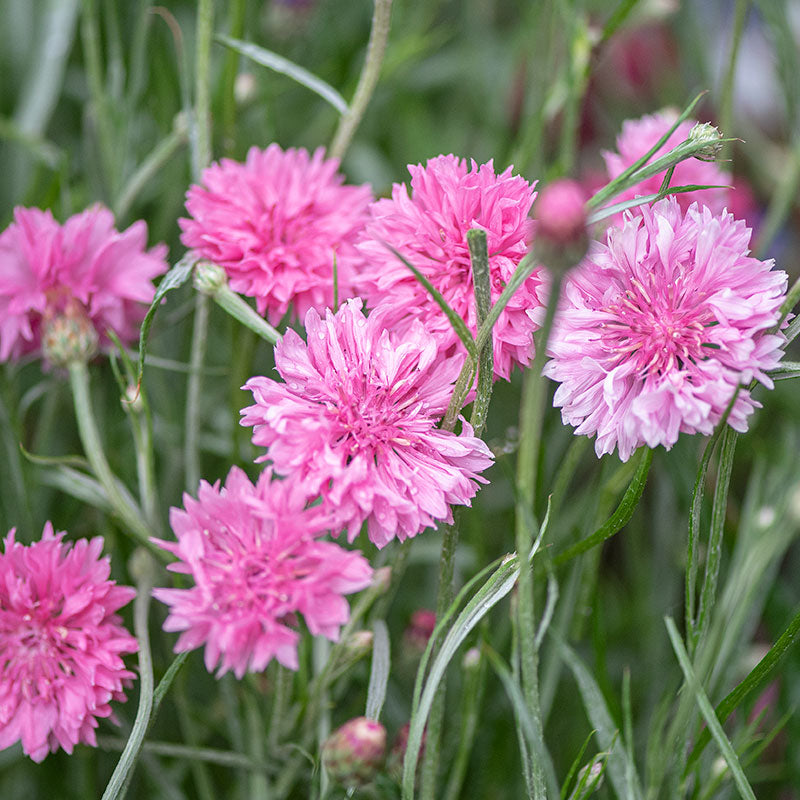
{"x": 429, "y": 228}
{"x": 275, "y": 224}
{"x": 61, "y": 642}
{"x": 83, "y": 268}
{"x": 255, "y": 562}
{"x": 356, "y": 422}
{"x": 638, "y": 136}
{"x": 659, "y": 327}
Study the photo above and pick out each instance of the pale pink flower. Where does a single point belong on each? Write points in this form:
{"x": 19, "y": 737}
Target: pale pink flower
{"x": 429, "y": 229}
{"x": 84, "y": 267}
{"x": 638, "y": 136}
{"x": 252, "y": 553}
{"x": 356, "y": 422}
{"x": 275, "y": 224}
{"x": 61, "y": 642}
{"x": 658, "y": 328}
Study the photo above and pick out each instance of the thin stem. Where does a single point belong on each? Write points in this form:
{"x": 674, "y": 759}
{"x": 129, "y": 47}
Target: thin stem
{"x": 367, "y": 82}
{"x": 726, "y": 101}
{"x": 117, "y": 785}
{"x": 780, "y": 206}
{"x": 123, "y": 505}
{"x": 444, "y": 597}
{"x": 194, "y": 391}
{"x": 239, "y": 309}
{"x": 534, "y": 390}
{"x": 202, "y": 86}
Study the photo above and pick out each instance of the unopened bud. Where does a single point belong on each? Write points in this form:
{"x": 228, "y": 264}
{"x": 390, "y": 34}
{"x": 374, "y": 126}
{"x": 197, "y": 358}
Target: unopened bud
{"x": 705, "y": 132}
{"x": 132, "y": 400}
{"x": 354, "y": 753}
{"x": 382, "y": 579}
{"x": 472, "y": 659}
{"x": 590, "y": 779}
{"x": 419, "y": 630}
{"x": 209, "y": 278}
{"x": 69, "y": 336}
{"x": 244, "y": 88}
{"x": 397, "y": 755}
{"x": 561, "y": 235}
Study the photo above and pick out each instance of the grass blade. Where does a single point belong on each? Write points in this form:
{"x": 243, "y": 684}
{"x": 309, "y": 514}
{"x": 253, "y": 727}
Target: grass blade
{"x": 379, "y": 673}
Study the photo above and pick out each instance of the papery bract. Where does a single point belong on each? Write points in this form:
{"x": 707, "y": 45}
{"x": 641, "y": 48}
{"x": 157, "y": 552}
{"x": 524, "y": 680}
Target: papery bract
{"x": 659, "y": 327}
{"x": 252, "y": 553}
{"x": 429, "y": 229}
{"x": 61, "y": 642}
{"x": 356, "y": 422}
{"x": 84, "y": 268}
{"x": 275, "y": 224}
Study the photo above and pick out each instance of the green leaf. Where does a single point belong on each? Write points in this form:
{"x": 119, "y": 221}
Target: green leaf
{"x": 621, "y": 772}
{"x": 379, "y": 673}
{"x": 481, "y": 280}
{"x": 459, "y": 326}
{"x": 278, "y": 63}
{"x": 728, "y": 753}
{"x": 756, "y": 678}
{"x": 175, "y": 278}
{"x": 619, "y": 518}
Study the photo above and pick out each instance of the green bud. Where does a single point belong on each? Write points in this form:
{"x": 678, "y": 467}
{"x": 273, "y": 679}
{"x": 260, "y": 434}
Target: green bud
{"x": 209, "y": 278}
{"x": 354, "y": 753}
{"x": 69, "y": 336}
{"x": 706, "y": 133}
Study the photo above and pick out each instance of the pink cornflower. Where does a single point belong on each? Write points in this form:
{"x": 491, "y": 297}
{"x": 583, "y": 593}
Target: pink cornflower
{"x": 84, "y": 268}
{"x": 251, "y": 552}
{"x": 61, "y": 642}
{"x": 638, "y": 136}
{"x": 356, "y": 422}
{"x": 448, "y": 197}
{"x": 660, "y": 326}
{"x": 275, "y": 224}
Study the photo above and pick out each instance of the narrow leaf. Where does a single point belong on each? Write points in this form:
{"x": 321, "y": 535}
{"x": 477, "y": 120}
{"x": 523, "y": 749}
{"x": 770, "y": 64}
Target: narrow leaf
{"x": 278, "y": 63}
{"x": 728, "y": 753}
{"x": 379, "y": 673}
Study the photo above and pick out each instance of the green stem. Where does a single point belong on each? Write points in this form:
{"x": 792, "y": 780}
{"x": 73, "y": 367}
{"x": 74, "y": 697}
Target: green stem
{"x": 123, "y": 505}
{"x": 481, "y": 279}
{"x": 534, "y": 390}
{"x": 618, "y": 519}
{"x": 237, "y": 10}
{"x": 222, "y": 758}
{"x": 444, "y": 598}
{"x": 194, "y": 392}
{"x": 115, "y": 790}
{"x": 202, "y": 86}
{"x": 240, "y": 310}
{"x": 367, "y": 82}
{"x": 726, "y": 101}
{"x": 150, "y": 168}
{"x": 780, "y": 206}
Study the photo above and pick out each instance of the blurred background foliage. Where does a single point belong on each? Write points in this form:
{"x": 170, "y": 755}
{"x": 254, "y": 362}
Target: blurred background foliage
{"x": 94, "y": 107}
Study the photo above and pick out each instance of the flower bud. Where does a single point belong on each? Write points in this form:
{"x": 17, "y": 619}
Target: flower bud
{"x": 209, "y": 278}
{"x": 590, "y": 779}
{"x": 69, "y": 336}
{"x": 419, "y": 630}
{"x": 382, "y": 579}
{"x": 354, "y": 753}
{"x": 397, "y": 755}
{"x": 561, "y": 236}
{"x": 705, "y": 132}
{"x": 471, "y": 659}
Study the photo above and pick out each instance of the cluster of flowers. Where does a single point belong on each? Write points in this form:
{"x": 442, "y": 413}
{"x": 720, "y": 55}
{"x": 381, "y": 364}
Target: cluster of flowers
{"x": 659, "y": 329}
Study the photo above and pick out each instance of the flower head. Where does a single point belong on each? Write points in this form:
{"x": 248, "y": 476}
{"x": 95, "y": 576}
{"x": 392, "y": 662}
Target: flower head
{"x": 356, "y": 422}
{"x": 354, "y": 753}
{"x": 61, "y": 642}
{"x": 639, "y": 135}
{"x": 84, "y": 270}
{"x": 660, "y": 326}
{"x": 429, "y": 229}
{"x": 251, "y": 552}
{"x": 275, "y": 224}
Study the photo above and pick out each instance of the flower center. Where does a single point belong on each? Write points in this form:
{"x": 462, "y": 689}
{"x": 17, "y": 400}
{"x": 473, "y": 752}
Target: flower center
{"x": 661, "y": 326}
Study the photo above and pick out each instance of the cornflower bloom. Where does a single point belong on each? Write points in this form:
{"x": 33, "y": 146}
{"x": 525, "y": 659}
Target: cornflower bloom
{"x": 638, "y": 136}
{"x": 429, "y": 229}
{"x": 658, "y": 329}
{"x": 61, "y": 642}
{"x": 276, "y": 224}
{"x": 83, "y": 276}
{"x": 355, "y": 422}
{"x": 252, "y": 553}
